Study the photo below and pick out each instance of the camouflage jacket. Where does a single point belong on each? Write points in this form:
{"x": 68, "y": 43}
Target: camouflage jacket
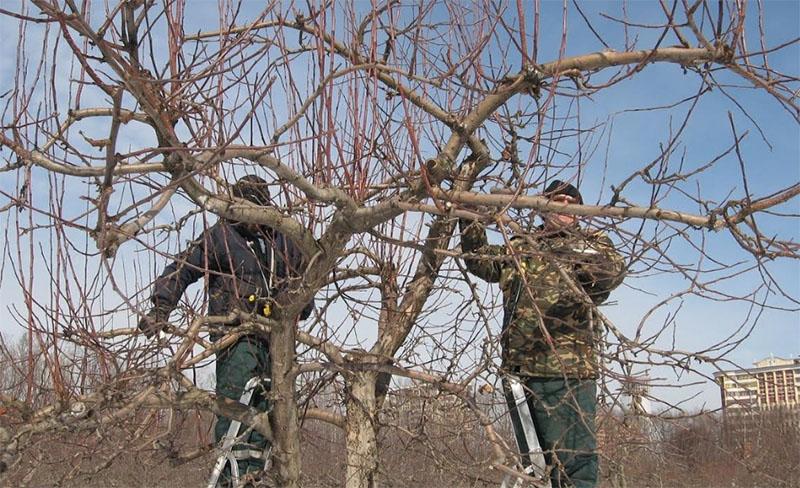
{"x": 548, "y": 329}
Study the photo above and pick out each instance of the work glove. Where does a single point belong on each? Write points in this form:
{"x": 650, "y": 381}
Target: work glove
{"x": 154, "y": 322}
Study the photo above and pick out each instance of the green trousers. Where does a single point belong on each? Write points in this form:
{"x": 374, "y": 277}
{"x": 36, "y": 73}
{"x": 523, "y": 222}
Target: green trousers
{"x": 238, "y": 363}
{"x": 564, "y": 416}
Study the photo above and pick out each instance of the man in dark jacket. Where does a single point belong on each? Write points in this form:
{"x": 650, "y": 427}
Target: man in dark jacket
{"x": 245, "y": 265}
{"x": 551, "y": 279}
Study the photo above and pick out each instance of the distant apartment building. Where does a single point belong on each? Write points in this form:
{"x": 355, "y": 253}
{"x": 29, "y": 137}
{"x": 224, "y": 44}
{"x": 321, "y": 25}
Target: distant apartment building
{"x": 774, "y": 382}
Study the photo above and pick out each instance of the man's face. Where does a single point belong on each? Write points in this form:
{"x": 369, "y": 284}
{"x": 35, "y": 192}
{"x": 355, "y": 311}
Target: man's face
{"x": 559, "y": 221}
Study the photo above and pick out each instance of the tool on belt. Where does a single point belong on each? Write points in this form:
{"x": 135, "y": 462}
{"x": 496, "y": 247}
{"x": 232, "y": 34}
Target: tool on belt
{"x": 260, "y": 305}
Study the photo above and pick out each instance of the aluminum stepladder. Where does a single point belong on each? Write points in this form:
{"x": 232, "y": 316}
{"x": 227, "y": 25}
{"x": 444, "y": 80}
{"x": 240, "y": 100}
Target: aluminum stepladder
{"x": 531, "y": 454}
{"x": 231, "y": 437}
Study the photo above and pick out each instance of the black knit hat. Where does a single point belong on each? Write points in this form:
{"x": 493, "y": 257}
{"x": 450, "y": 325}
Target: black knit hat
{"x": 253, "y": 189}
{"x": 558, "y": 187}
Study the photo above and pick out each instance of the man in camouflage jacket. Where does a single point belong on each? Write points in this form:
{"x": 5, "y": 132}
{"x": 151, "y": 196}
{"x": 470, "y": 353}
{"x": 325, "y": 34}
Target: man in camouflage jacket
{"x": 551, "y": 280}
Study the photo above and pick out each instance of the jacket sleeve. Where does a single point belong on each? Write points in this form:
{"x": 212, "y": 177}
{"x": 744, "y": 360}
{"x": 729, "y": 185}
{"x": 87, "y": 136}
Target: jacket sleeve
{"x": 473, "y": 241}
{"x": 601, "y": 269}
{"x": 185, "y": 270}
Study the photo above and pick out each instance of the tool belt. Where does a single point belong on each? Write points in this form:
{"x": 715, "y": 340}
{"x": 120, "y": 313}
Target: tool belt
{"x": 260, "y": 305}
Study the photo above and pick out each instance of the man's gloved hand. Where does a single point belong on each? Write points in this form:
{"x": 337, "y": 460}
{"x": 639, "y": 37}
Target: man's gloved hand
{"x": 154, "y": 322}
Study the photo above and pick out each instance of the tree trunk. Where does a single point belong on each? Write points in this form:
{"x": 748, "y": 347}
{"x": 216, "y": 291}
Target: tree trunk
{"x": 361, "y": 430}
{"x": 285, "y": 428}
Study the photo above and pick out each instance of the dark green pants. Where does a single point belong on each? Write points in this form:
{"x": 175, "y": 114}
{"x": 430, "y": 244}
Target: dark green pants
{"x": 564, "y": 416}
{"x": 238, "y": 363}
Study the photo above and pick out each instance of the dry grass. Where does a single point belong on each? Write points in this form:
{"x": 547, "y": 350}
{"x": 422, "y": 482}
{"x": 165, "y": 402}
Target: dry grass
{"x": 428, "y": 450}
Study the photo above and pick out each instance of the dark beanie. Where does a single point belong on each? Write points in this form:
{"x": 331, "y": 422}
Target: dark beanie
{"x": 253, "y": 189}
{"x": 558, "y": 187}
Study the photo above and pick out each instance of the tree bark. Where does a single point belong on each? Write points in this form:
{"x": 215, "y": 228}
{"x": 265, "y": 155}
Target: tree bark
{"x": 361, "y": 431}
{"x": 286, "y": 427}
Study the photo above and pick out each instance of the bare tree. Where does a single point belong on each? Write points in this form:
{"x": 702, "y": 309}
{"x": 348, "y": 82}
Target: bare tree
{"x": 125, "y": 124}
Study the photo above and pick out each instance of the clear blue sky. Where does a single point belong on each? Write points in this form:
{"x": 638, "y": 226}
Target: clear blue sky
{"x": 635, "y": 140}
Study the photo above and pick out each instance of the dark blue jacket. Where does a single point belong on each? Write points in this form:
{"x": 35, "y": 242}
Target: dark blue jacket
{"x": 239, "y": 264}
